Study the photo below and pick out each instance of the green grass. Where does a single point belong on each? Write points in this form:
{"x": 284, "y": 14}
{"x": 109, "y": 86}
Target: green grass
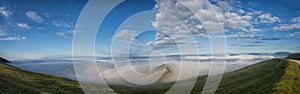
{"x": 17, "y": 81}
{"x": 259, "y": 78}
{"x": 271, "y": 76}
{"x": 290, "y": 82}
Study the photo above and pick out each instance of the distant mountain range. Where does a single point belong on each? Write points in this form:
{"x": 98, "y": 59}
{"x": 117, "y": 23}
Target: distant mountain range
{"x": 270, "y": 76}
{"x": 281, "y": 54}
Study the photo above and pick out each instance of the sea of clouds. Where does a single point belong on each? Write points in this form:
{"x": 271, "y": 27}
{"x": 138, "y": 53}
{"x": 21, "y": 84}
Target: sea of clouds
{"x": 113, "y": 70}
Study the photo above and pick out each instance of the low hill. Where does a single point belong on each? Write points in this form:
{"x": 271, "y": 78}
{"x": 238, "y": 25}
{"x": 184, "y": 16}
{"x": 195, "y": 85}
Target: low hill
{"x": 271, "y": 76}
{"x": 295, "y": 56}
{"x": 281, "y": 54}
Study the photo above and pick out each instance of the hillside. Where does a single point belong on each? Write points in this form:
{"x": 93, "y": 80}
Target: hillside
{"x": 295, "y": 56}
{"x": 271, "y": 76}
{"x": 17, "y": 81}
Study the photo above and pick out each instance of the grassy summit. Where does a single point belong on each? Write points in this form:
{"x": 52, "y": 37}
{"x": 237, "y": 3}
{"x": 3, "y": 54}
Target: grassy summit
{"x": 271, "y": 76}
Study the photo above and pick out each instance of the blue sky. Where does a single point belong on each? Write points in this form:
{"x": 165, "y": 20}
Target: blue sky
{"x": 33, "y": 28}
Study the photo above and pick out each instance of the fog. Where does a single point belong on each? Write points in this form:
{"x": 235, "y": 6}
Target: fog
{"x": 125, "y": 71}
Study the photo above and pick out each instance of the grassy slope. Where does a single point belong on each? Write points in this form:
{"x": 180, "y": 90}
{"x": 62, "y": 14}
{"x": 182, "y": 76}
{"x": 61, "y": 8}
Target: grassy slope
{"x": 271, "y": 76}
{"x": 260, "y": 78}
{"x": 17, "y": 81}
{"x": 290, "y": 82}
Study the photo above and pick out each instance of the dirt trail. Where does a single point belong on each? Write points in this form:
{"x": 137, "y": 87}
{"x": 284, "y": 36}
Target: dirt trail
{"x": 297, "y": 61}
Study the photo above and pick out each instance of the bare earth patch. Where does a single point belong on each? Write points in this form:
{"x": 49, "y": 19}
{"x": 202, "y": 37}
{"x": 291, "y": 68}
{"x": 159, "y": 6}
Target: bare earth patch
{"x": 297, "y": 61}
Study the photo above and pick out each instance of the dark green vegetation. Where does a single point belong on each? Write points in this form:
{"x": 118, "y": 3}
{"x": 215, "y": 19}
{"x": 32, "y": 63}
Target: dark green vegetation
{"x": 295, "y": 56}
{"x": 271, "y": 76}
{"x": 2, "y": 60}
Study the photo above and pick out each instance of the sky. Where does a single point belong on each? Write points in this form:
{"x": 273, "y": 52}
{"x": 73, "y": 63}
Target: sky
{"x": 35, "y": 28}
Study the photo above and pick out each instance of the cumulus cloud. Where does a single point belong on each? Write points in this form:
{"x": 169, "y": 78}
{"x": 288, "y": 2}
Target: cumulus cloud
{"x": 220, "y": 13}
{"x": 285, "y": 27}
{"x": 268, "y": 18}
{"x": 295, "y": 34}
{"x": 178, "y": 22}
{"x": 13, "y": 38}
{"x": 243, "y": 36}
{"x": 23, "y": 25}
{"x": 296, "y": 20}
{"x": 126, "y": 34}
{"x": 293, "y": 24}
{"x": 5, "y": 12}
{"x": 34, "y": 16}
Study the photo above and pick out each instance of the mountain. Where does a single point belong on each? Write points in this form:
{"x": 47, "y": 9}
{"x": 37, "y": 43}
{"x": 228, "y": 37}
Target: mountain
{"x": 281, "y": 54}
{"x": 295, "y": 56}
{"x": 271, "y": 76}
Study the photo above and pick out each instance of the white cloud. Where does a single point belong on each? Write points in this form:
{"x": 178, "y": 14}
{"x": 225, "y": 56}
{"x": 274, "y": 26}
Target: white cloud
{"x": 65, "y": 34}
{"x": 4, "y": 12}
{"x": 62, "y": 34}
{"x": 23, "y": 25}
{"x": 243, "y": 36}
{"x": 176, "y": 23}
{"x": 2, "y": 33}
{"x": 34, "y": 16}
{"x": 295, "y": 34}
{"x": 224, "y": 13}
{"x": 66, "y": 29}
{"x": 268, "y": 18}
{"x": 294, "y": 23}
{"x": 60, "y": 23}
{"x": 248, "y": 35}
{"x": 126, "y": 34}
{"x": 285, "y": 27}
{"x": 296, "y": 19}
{"x": 13, "y": 38}
{"x": 169, "y": 43}
{"x": 254, "y": 12}
{"x": 210, "y": 18}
